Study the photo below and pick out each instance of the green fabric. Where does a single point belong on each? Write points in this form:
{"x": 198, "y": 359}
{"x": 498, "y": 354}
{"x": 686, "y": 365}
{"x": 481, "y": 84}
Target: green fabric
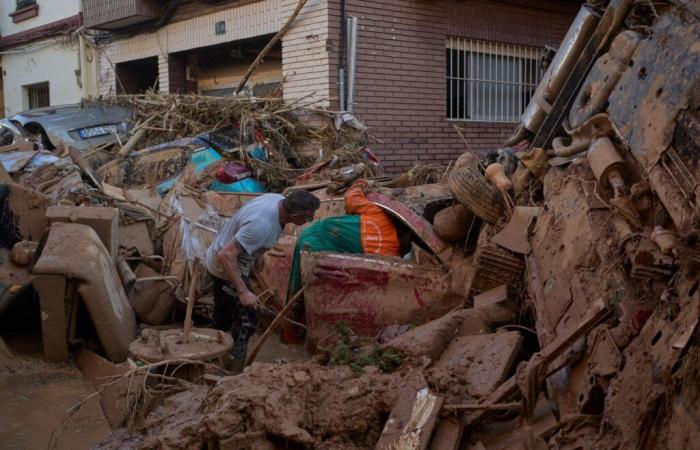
{"x": 334, "y": 234}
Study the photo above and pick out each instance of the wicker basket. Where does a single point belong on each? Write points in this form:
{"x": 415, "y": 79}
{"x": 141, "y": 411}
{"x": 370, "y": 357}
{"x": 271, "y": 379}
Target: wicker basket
{"x": 494, "y": 265}
{"x": 474, "y": 191}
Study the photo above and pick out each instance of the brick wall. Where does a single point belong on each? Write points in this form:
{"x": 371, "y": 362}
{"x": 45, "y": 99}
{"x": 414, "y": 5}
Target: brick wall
{"x": 306, "y": 67}
{"x": 401, "y": 88}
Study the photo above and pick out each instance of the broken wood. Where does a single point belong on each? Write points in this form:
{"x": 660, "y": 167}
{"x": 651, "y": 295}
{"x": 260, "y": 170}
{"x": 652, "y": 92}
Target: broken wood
{"x": 18, "y": 147}
{"x": 273, "y": 325}
{"x": 412, "y": 419}
{"x": 138, "y": 132}
{"x": 80, "y": 161}
{"x": 269, "y": 45}
{"x": 190, "y": 305}
{"x": 479, "y": 406}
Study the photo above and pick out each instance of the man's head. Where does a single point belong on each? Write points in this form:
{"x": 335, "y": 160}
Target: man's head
{"x": 299, "y": 207}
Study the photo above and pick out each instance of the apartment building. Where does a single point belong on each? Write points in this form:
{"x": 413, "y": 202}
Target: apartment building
{"x": 45, "y": 60}
{"x": 422, "y": 66}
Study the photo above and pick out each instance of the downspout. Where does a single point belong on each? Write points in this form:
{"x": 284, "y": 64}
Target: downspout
{"x": 341, "y": 58}
{"x": 352, "y": 63}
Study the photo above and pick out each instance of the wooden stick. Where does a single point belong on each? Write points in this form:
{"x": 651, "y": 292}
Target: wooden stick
{"x": 190, "y": 305}
{"x": 273, "y": 325}
{"x": 269, "y": 45}
{"x": 485, "y": 406}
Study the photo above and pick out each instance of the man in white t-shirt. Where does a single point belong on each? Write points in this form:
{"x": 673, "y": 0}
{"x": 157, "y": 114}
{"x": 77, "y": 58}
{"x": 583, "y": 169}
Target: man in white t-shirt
{"x": 254, "y": 229}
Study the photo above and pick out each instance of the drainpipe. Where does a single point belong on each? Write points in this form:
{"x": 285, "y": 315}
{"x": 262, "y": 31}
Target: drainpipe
{"x": 352, "y": 62}
{"x": 341, "y": 58}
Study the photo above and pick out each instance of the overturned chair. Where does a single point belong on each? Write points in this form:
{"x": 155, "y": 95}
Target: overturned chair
{"x": 76, "y": 268}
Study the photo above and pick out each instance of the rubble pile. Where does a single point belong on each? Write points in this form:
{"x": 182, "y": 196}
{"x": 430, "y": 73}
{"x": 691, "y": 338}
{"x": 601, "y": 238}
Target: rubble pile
{"x": 550, "y": 298}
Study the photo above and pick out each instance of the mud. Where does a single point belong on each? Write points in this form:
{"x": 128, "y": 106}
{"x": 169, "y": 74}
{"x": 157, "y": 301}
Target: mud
{"x": 302, "y": 403}
{"x": 34, "y": 396}
{"x": 565, "y": 316}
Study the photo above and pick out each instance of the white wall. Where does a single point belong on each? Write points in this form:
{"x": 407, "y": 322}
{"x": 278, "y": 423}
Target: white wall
{"x": 54, "y": 64}
{"x": 50, "y": 60}
{"x": 49, "y": 11}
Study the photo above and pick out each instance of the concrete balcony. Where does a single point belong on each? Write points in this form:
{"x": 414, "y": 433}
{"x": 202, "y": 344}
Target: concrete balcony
{"x": 117, "y": 14}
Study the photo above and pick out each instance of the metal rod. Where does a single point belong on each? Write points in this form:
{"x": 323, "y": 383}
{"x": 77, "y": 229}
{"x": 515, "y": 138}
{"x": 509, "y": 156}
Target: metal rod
{"x": 352, "y": 63}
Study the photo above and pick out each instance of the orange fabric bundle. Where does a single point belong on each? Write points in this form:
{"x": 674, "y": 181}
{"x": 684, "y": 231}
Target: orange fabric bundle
{"x": 377, "y": 231}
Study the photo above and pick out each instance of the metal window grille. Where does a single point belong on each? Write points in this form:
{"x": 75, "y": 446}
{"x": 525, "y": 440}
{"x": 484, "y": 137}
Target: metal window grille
{"x": 489, "y": 81}
{"x": 38, "y": 95}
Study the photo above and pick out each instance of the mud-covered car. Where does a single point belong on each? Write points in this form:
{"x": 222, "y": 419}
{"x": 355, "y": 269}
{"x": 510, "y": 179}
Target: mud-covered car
{"x": 79, "y": 126}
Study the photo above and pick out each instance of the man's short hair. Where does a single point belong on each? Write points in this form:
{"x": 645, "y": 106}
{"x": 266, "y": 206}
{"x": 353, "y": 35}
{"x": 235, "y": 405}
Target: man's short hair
{"x": 301, "y": 201}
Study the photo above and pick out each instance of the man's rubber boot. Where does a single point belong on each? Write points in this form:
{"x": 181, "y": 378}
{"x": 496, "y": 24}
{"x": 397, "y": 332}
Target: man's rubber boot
{"x": 235, "y": 361}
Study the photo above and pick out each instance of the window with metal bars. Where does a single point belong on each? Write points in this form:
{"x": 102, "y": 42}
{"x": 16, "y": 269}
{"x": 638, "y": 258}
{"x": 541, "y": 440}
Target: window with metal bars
{"x": 489, "y": 81}
{"x": 38, "y": 95}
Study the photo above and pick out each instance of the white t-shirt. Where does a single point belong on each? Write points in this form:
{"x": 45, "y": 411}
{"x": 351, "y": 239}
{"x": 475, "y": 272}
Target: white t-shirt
{"x": 256, "y": 227}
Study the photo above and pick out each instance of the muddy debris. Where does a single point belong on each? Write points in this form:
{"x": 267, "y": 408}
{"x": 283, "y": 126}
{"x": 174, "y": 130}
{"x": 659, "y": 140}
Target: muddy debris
{"x": 546, "y": 294}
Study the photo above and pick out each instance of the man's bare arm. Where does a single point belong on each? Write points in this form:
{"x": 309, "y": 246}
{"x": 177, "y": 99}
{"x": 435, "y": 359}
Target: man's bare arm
{"x": 228, "y": 259}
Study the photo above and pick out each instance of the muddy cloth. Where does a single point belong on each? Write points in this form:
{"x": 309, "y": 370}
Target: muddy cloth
{"x": 334, "y": 234}
{"x": 230, "y": 315}
{"x": 377, "y": 230}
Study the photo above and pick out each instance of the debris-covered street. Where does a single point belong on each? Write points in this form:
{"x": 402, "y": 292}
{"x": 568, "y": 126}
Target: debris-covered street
{"x": 181, "y": 270}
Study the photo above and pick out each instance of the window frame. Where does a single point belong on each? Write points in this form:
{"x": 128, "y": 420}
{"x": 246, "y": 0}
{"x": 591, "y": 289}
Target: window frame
{"x": 488, "y": 81}
{"x": 29, "y": 92}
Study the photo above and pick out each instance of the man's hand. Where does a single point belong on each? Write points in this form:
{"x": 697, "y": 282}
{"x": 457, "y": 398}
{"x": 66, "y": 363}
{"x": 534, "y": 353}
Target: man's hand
{"x": 248, "y": 299}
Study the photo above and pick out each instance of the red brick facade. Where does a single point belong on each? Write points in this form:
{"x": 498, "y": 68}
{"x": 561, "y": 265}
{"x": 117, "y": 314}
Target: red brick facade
{"x": 401, "y": 87}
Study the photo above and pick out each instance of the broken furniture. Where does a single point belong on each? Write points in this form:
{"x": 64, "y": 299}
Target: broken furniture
{"x": 103, "y": 220}
{"x": 204, "y": 344}
{"x": 75, "y": 267}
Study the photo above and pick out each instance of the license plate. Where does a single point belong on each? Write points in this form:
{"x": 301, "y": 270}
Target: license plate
{"x": 90, "y": 132}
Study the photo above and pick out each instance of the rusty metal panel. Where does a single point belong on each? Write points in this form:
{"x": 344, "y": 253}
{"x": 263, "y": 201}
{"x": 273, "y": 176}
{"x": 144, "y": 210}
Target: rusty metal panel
{"x": 114, "y": 14}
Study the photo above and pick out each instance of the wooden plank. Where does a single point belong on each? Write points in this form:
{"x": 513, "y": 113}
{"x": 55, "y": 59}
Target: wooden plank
{"x": 412, "y": 419}
{"x": 448, "y": 434}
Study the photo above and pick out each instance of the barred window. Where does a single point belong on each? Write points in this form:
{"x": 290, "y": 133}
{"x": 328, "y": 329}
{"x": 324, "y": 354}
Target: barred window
{"x": 38, "y": 95}
{"x": 489, "y": 81}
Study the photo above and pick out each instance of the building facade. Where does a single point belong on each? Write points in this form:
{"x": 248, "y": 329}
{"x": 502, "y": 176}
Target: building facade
{"x": 45, "y": 61}
{"x": 422, "y": 67}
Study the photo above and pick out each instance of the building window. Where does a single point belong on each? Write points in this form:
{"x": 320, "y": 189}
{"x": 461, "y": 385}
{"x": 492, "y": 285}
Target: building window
{"x": 38, "y": 95}
{"x": 24, "y": 3}
{"x": 489, "y": 81}
{"x": 24, "y": 10}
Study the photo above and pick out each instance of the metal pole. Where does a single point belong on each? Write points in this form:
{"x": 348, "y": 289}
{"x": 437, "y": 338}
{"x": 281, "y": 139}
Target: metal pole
{"x": 341, "y": 88}
{"x": 341, "y": 58}
{"x": 352, "y": 63}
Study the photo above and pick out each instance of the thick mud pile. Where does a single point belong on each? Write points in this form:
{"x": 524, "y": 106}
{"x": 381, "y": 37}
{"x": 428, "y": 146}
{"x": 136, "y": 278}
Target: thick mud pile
{"x": 304, "y": 403}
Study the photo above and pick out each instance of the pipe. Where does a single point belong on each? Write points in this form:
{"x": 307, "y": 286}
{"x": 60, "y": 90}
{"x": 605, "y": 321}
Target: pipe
{"x": 573, "y": 147}
{"x": 352, "y": 63}
{"x": 341, "y": 58}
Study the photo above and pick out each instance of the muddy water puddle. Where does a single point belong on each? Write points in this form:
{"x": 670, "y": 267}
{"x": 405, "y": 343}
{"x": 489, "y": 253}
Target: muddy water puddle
{"x": 34, "y": 397}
